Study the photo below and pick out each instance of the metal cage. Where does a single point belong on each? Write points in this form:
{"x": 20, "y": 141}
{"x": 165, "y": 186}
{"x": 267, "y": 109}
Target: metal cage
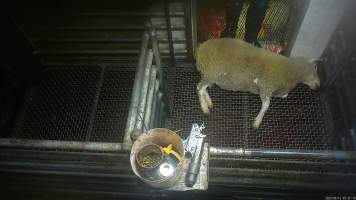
{"x": 76, "y": 127}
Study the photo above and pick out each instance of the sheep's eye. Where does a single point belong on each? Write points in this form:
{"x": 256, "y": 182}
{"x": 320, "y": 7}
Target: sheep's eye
{"x": 316, "y": 68}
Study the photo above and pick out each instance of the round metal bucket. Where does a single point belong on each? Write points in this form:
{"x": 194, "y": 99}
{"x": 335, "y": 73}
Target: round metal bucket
{"x": 150, "y": 143}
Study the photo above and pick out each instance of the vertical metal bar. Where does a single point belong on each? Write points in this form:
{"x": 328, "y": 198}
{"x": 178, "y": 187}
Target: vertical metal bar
{"x": 136, "y": 90}
{"x": 151, "y": 89}
{"x": 193, "y": 23}
{"x": 169, "y": 30}
{"x": 343, "y": 144}
{"x": 95, "y": 104}
{"x": 353, "y": 139}
{"x": 158, "y": 116}
{"x": 159, "y": 66}
{"x": 157, "y": 56}
{"x": 188, "y": 27}
{"x": 345, "y": 126}
{"x": 155, "y": 120}
{"x": 159, "y": 111}
{"x": 143, "y": 96}
{"x": 161, "y": 120}
{"x": 154, "y": 105}
{"x": 164, "y": 115}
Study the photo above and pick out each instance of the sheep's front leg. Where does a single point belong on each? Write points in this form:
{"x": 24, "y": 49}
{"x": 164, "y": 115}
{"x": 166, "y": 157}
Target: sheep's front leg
{"x": 204, "y": 98}
{"x": 265, "y": 104}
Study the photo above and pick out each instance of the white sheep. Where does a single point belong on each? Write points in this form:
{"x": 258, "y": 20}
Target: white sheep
{"x": 235, "y": 65}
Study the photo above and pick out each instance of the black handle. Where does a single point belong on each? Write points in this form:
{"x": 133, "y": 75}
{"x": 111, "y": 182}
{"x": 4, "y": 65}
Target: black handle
{"x": 193, "y": 169}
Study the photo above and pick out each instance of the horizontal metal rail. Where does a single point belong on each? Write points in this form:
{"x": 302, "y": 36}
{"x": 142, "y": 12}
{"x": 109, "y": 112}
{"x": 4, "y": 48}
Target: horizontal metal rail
{"x": 214, "y": 151}
{"x": 104, "y": 14}
{"x": 283, "y": 153}
{"x": 109, "y": 28}
{"x": 63, "y": 145}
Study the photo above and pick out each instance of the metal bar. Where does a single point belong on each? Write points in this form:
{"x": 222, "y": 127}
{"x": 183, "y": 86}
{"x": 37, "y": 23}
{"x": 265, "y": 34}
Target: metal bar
{"x": 348, "y": 90}
{"x": 157, "y": 55}
{"x": 155, "y": 120}
{"x": 158, "y": 103}
{"x": 109, "y": 28}
{"x": 188, "y": 25}
{"x": 353, "y": 139}
{"x": 344, "y": 107}
{"x": 164, "y": 115}
{"x": 161, "y": 120}
{"x": 95, "y": 104}
{"x": 156, "y": 52}
{"x": 284, "y": 153}
{"x": 154, "y": 106}
{"x": 193, "y": 19}
{"x": 136, "y": 90}
{"x": 292, "y": 180}
{"x": 169, "y": 31}
{"x": 288, "y": 165}
{"x": 343, "y": 143}
{"x": 100, "y": 40}
{"x": 159, "y": 111}
{"x": 158, "y": 116}
{"x": 148, "y": 112}
{"x": 144, "y": 91}
{"x": 90, "y": 52}
{"x": 118, "y": 157}
{"x": 104, "y": 14}
{"x": 63, "y": 145}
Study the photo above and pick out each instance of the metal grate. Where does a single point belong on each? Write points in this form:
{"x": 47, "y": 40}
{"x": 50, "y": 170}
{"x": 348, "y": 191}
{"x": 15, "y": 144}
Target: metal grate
{"x": 78, "y": 103}
{"x": 295, "y": 122}
{"x": 274, "y": 25}
{"x": 113, "y": 105}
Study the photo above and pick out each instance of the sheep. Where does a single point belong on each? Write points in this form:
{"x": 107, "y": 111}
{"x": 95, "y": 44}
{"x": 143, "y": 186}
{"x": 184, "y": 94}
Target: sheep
{"x": 235, "y": 65}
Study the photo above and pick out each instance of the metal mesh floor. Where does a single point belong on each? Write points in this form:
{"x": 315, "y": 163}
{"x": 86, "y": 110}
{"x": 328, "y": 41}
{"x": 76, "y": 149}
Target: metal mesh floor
{"x": 296, "y": 122}
{"x": 78, "y": 103}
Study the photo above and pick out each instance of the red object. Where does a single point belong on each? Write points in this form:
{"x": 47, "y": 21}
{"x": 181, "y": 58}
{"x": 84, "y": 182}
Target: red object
{"x": 211, "y": 22}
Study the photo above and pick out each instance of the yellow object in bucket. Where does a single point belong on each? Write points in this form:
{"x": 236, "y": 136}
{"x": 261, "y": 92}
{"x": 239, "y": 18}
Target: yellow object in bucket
{"x": 169, "y": 150}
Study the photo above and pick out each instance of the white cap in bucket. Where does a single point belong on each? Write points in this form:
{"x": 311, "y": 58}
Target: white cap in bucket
{"x": 166, "y": 169}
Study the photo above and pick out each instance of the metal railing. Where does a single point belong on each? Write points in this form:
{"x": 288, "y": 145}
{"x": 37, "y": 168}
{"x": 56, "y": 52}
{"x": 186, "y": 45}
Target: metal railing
{"x": 148, "y": 106}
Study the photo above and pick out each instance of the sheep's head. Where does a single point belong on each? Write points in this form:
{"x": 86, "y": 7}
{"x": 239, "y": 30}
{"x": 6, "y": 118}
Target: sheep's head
{"x": 308, "y": 72}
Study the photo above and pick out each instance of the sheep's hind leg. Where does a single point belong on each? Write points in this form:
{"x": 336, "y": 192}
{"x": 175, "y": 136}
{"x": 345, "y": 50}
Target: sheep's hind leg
{"x": 204, "y": 98}
{"x": 265, "y": 104}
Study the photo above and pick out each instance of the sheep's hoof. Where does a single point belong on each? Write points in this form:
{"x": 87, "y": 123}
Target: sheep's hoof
{"x": 256, "y": 125}
{"x": 210, "y": 104}
{"x": 205, "y": 110}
